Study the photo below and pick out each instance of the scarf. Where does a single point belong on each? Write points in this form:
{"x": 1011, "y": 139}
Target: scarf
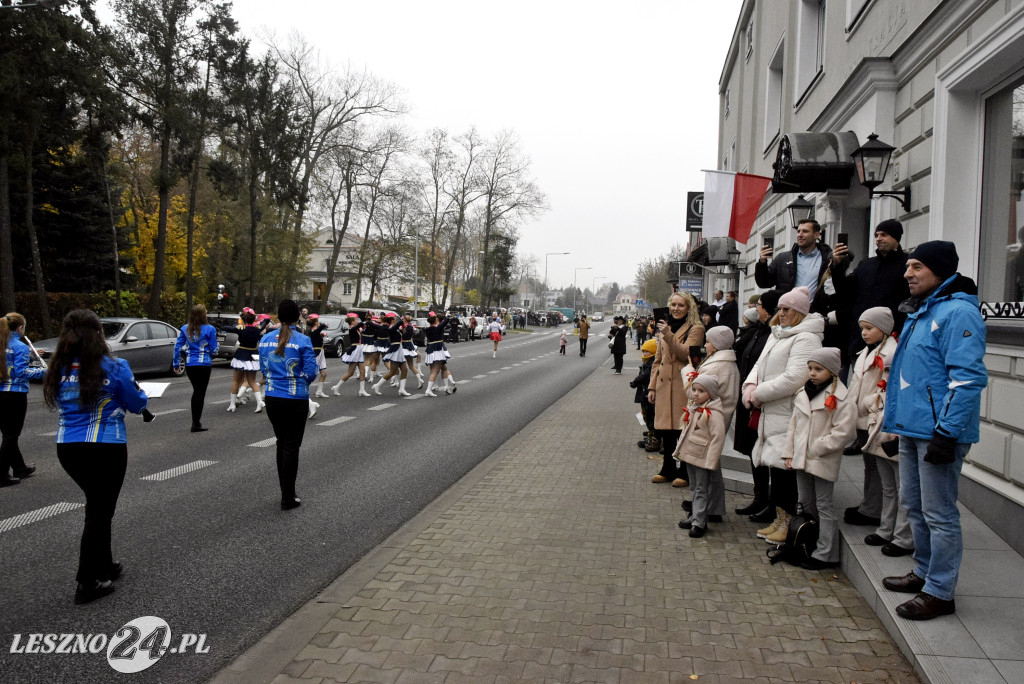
{"x": 675, "y": 324}
{"x": 814, "y": 390}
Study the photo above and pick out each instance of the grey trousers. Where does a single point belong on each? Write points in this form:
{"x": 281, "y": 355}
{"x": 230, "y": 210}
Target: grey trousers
{"x": 895, "y": 527}
{"x": 815, "y": 497}
{"x": 700, "y": 485}
{"x": 871, "y": 504}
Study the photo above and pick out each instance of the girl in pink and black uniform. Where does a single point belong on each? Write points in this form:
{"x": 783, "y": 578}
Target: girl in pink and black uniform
{"x": 353, "y": 356}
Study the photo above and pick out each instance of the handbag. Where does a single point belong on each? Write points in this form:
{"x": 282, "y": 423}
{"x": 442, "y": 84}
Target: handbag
{"x": 755, "y": 418}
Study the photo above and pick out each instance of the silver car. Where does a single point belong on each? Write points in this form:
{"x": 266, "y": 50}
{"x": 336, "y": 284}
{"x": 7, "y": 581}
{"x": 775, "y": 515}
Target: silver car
{"x": 145, "y": 344}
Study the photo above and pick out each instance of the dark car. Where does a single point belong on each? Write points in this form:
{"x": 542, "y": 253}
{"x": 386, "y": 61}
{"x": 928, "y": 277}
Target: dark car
{"x": 147, "y": 345}
{"x": 336, "y": 339}
{"x": 227, "y": 339}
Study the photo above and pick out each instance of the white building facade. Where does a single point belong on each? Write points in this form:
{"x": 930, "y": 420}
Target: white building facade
{"x": 943, "y": 82}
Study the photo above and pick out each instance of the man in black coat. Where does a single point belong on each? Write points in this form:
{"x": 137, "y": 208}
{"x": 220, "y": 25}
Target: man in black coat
{"x": 729, "y": 312}
{"x": 804, "y": 264}
{"x": 877, "y": 281}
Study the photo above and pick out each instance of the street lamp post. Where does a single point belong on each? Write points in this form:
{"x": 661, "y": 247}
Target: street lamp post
{"x": 546, "y": 266}
{"x": 575, "y": 276}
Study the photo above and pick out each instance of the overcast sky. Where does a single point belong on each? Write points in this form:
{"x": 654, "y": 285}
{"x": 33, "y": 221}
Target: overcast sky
{"x": 615, "y": 103}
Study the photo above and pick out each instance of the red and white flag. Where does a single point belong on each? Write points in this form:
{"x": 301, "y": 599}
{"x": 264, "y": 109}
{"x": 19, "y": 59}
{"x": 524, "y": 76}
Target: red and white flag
{"x": 731, "y": 203}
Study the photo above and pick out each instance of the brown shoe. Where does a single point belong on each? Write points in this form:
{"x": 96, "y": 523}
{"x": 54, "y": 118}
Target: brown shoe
{"x": 658, "y": 479}
{"x": 925, "y": 607}
{"x": 679, "y": 482}
{"x": 905, "y": 584}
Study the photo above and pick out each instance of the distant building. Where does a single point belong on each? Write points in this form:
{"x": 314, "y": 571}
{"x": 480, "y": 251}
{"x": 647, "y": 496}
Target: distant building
{"x": 625, "y": 304}
{"x": 344, "y": 287}
{"x": 804, "y": 84}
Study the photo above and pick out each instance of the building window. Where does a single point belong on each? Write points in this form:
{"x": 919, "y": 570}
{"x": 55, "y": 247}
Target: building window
{"x": 1001, "y": 275}
{"x": 726, "y": 103}
{"x": 854, "y": 11}
{"x": 811, "y": 44}
{"x": 773, "y": 97}
{"x": 348, "y": 289}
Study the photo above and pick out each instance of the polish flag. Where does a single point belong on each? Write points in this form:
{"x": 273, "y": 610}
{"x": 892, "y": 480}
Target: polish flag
{"x": 731, "y": 203}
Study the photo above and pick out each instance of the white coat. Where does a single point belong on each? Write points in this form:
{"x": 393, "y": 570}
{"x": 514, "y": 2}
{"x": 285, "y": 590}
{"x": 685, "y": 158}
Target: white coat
{"x": 721, "y": 364}
{"x": 870, "y": 383}
{"x": 817, "y": 436}
{"x": 780, "y": 372}
{"x": 703, "y": 435}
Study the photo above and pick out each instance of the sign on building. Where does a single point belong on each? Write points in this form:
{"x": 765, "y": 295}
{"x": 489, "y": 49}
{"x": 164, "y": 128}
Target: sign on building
{"x": 694, "y": 211}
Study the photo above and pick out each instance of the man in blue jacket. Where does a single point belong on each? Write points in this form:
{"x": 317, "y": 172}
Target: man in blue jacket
{"x": 933, "y": 402}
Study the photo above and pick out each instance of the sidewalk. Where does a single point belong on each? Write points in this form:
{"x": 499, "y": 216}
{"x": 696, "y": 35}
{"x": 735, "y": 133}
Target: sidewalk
{"x": 557, "y": 560}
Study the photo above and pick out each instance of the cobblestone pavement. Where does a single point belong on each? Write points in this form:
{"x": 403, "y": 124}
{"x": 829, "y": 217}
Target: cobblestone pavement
{"x": 557, "y": 560}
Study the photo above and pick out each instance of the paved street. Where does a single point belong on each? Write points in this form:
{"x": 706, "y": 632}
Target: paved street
{"x": 204, "y": 542}
{"x": 556, "y": 560}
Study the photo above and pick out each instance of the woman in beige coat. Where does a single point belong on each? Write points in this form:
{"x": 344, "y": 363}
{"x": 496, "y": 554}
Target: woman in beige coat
{"x": 780, "y": 372}
{"x": 675, "y": 337}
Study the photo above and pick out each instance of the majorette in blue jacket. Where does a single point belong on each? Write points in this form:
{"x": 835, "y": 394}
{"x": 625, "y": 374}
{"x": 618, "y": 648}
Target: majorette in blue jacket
{"x": 938, "y": 370}
{"x": 19, "y": 372}
{"x": 103, "y": 422}
{"x": 288, "y": 376}
{"x": 200, "y": 351}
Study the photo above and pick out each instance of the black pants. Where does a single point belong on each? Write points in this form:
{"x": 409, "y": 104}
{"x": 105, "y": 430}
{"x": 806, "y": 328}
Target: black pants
{"x": 98, "y": 469}
{"x": 13, "y": 406}
{"x": 288, "y": 416}
{"x": 199, "y": 376}
{"x": 669, "y": 440}
{"x": 783, "y": 489}
{"x": 583, "y": 346}
{"x": 617, "y": 366}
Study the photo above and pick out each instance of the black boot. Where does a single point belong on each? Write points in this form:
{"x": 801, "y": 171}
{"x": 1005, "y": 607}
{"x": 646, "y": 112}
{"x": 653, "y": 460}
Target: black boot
{"x": 751, "y": 508}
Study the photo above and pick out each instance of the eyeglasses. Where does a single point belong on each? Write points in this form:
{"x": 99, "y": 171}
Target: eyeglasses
{"x": 784, "y": 309}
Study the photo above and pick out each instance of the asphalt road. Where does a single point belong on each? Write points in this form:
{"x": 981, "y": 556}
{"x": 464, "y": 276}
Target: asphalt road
{"x": 208, "y": 549}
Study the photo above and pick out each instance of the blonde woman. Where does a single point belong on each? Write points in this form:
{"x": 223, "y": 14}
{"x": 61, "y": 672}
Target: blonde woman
{"x": 677, "y": 335}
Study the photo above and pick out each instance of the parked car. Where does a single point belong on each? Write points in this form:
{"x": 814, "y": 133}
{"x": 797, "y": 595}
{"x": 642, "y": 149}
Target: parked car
{"x": 464, "y": 328}
{"x": 147, "y": 345}
{"x": 227, "y": 339}
{"x": 337, "y": 334}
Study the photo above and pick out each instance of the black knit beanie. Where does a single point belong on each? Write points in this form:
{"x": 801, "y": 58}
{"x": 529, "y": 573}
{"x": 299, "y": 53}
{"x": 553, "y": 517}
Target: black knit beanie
{"x": 770, "y": 301}
{"x": 939, "y": 256}
{"x": 891, "y": 227}
{"x": 288, "y": 311}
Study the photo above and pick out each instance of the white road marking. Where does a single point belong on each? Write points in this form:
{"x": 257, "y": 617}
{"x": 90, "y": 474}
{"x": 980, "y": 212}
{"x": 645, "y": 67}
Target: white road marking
{"x": 477, "y": 377}
{"x": 8, "y": 524}
{"x": 180, "y": 470}
{"x": 265, "y": 442}
{"x": 164, "y": 413}
{"x": 337, "y": 421}
{"x": 48, "y": 434}
{"x": 415, "y": 396}
{"x": 493, "y": 372}
{"x": 506, "y": 368}
{"x": 381, "y": 407}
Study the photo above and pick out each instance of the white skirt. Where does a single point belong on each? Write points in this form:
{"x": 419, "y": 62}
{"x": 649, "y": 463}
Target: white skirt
{"x": 321, "y": 360}
{"x": 252, "y": 365}
{"x": 441, "y": 355}
{"x": 397, "y": 356}
{"x": 354, "y": 354}
{"x": 369, "y": 349}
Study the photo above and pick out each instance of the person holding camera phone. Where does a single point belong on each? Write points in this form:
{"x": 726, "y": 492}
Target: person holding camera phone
{"x": 677, "y": 334}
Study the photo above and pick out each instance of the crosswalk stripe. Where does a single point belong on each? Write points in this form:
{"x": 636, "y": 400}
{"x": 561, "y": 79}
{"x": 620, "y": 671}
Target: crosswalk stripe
{"x": 265, "y": 442}
{"x": 180, "y": 470}
{"x": 8, "y": 524}
{"x": 381, "y": 407}
{"x": 336, "y": 421}
{"x": 477, "y": 377}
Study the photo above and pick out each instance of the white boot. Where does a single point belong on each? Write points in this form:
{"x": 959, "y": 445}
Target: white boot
{"x": 241, "y": 396}
{"x": 231, "y": 406}
{"x": 337, "y": 388}
{"x": 494, "y": 355}
{"x": 259, "y": 402}
{"x": 430, "y": 390}
{"x": 313, "y": 406}
{"x": 401, "y": 389}
{"x": 320, "y": 390}
{"x": 449, "y": 385}
{"x": 376, "y": 386}
{"x": 362, "y": 389}
{"x": 394, "y": 381}
{"x": 419, "y": 379}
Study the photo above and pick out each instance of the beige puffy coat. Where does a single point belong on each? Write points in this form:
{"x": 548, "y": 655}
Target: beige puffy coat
{"x": 703, "y": 436}
{"x": 817, "y": 436}
{"x": 721, "y": 364}
{"x": 864, "y": 385}
{"x": 780, "y": 372}
{"x": 673, "y": 355}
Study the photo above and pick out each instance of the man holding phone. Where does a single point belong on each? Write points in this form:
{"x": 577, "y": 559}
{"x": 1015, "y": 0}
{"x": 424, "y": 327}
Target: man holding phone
{"x": 801, "y": 266}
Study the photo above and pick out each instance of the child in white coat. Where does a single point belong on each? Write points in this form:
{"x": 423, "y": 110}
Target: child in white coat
{"x": 700, "y": 446}
{"x": 824, "y": 420}
{"x": 867, "y": 386}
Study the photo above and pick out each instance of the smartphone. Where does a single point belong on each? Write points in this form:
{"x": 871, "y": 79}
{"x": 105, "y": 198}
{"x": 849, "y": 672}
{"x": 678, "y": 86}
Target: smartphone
{"x": 843, "y": 239}
{"x": 660, "y": 314}
{"x": 768, "y": 242}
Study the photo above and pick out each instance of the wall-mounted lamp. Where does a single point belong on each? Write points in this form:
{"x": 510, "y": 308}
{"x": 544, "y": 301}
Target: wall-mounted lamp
{"x": 800, "y": 210}
{"x": 872, "y": 162}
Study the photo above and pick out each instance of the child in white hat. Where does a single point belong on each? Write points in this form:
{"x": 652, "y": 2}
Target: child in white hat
{"x": 700, "y": 446}
{"x": 824, "y": 420}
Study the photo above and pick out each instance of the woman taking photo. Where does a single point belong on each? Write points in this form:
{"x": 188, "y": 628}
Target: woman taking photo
{"x": 780, "y": 372}
{"x": 676, "y": 336}
{"x": 198, "y": 339}
{"x": 15, "y": 372}
{"x": 91, "y": 390}
{"x": 289, "y": 364}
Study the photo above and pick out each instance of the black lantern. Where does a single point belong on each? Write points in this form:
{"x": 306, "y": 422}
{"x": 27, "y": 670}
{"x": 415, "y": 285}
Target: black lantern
{"x": 800, "y": 210}
{"x": 872, "y": 163}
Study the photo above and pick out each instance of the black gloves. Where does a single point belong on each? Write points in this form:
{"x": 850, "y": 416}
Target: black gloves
{"x": 941, "y": 450}
{"x": 147, "y": 417}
